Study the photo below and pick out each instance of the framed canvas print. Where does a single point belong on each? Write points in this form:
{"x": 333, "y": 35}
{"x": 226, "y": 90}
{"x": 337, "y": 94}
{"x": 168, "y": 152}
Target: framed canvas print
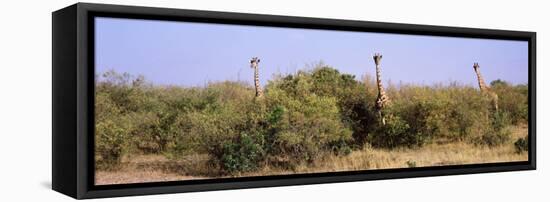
{"x": 154, "y": 100}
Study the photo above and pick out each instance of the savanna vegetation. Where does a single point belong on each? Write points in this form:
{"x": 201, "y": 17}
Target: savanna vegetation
{"x": 316, "y": 120}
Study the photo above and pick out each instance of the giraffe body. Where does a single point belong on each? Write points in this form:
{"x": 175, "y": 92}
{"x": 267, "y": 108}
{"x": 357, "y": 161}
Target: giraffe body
{"x": 382, "y": 101}
{"x": 254, "y": 65}
{"x": 485, "y": 89}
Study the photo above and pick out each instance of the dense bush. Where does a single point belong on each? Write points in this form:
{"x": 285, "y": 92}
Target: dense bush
{"x": 213, "y": 128}
{"x": 111, "y": 137}
{"x": 512, "y": 100}
{"x": 302, "y": 117}
{"x": 452, "y": 112}
{"x": 394, "y": 134}
{"x": 497, "y": 132}
{"x": 521, "y": 145}
{"x": 418, "y": 115}
{"x": 305, "y": 122}
{"x": 243, "y": 154}
{"x": 355, "y": 101}
{"x": 111, "y": 143}
{"x": 495, "y": 137}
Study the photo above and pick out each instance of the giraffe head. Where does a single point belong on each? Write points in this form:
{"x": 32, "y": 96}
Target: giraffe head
{"x": 377, "y": 57}
{"x": 476, "y": 66}
{"x": 254, "y": 62}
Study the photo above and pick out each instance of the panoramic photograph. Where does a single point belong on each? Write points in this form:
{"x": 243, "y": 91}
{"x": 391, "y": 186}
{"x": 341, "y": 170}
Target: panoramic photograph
{"x": 178, "y": 101}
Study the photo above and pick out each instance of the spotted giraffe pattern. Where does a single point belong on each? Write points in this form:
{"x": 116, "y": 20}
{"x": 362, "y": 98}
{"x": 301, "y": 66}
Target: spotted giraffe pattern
{"x": 382, "y": 100}
{"x": 254, "y": 64}
{"x": 485, "y": 89}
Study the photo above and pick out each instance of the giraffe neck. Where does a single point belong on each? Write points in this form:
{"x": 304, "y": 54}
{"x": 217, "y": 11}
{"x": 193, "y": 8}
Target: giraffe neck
{"x": 486, "y": 90}
{"x": 259, "y": 92}
{"x": 482, "y": 86}
{"x": 381, "y": 91}
{"x": 382, "y": 99}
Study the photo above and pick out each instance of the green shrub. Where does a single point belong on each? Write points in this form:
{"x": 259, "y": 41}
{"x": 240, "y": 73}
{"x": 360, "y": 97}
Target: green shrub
{"x": 513, "y": 100}
{"x": 443, "y": 113}
{"x": 521, "y": 145}
{"x": 340, "y": 147}
{"x": 111, "y": 138}
{"x": 110, "y": 143}
{"x": 356, "y": 107}
{"x": 154, "y": 131}
{"x": 213, "y": 127}
{"x": 242, "y": 154}
{"x": 126, "y": 91}
{"x": 220, "y": 128}
{"x": 303, "y": 117}
{"x": 469, "y": 116}
{"x": 355, "y": 100}
{"x": 274, "y": 128}
{"x": 498, "y": 132}
{"x": 303, "y": 123}
{"x": 411, "y": 164}
{"x": 495, "y": 138}
{"x": 425, "y": 119}
{"x": 306, "y": 128}
{"x": 500, "y": 120}
{"x": 394, "y": 134}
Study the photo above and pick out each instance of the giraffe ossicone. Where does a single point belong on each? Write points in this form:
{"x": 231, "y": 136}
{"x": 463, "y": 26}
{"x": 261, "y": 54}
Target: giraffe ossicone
{"x": 377, "y": 57}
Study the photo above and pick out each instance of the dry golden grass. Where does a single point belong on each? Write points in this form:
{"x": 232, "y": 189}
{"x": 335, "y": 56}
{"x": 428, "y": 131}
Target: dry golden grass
{"x": 154, "y": 168}
{"x": 142, "y": 168}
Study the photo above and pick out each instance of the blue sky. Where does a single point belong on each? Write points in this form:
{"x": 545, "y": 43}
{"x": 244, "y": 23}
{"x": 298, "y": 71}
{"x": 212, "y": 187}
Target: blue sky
{"x": 193, "y": 54}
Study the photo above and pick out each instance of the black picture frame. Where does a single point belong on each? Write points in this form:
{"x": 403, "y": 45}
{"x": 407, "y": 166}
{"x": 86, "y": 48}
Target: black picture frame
{"x": 73, "y": 100}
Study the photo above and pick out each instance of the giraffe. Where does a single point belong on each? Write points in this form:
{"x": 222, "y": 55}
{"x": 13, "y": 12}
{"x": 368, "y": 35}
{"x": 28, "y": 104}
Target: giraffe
{"x": 383, "y": 100}
{"x": 485, "y": 89}
{"x": 254, "y": 64}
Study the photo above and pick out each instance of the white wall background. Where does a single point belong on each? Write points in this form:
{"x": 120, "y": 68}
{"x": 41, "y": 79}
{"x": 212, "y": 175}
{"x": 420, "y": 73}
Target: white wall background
{"x": 25, "y": 99}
